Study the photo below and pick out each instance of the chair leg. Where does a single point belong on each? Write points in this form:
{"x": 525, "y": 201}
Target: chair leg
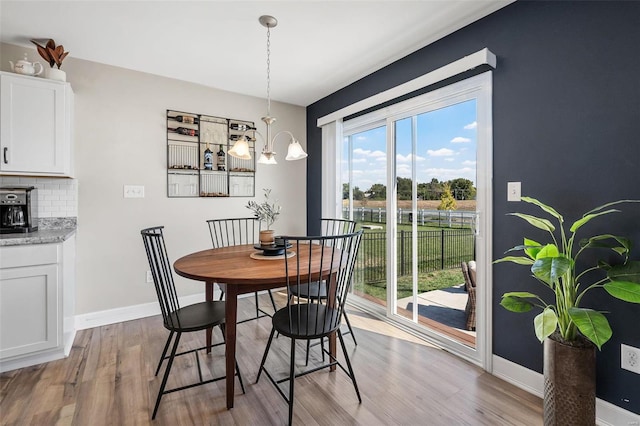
{"x": 292, "y": 371}
{"x": 346, "y": 319}
{"x": 266, "y": 352}
{"x": 164, "y": 353}
{"x": 306, "y": 362}
{"x": 346, "y": 357}
{"x": 166, "y": 374}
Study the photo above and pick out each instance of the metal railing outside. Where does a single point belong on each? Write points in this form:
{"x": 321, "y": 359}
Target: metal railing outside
{"x": 424, "y": 217}
{"x": 437, "y": 250}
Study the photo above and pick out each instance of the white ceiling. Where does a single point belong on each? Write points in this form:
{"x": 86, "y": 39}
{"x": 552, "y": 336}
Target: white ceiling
{"x": 317, "y": 48}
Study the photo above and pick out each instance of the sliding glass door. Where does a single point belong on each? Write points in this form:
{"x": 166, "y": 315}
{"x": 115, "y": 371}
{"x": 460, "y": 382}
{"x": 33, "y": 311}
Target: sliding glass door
{"x": 417, "y": 177}
{"x": 435, "y": 177}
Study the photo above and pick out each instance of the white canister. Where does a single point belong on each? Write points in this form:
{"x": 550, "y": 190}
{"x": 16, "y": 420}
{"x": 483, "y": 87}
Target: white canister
{"x": 56, "y": 74}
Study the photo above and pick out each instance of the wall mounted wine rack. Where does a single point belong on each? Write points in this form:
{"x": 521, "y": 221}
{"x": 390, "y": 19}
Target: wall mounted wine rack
{"x": 198, "y": 163}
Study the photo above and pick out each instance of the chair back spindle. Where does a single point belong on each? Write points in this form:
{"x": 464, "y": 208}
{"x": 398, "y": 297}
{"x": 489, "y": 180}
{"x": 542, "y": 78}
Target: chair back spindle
{"x": 233, "y": 232}
{"x": 162, "y": 274}
{"x": 335, "y": 255}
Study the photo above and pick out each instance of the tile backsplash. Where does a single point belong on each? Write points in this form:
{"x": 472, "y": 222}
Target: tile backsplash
{"x": 57, "y": 197}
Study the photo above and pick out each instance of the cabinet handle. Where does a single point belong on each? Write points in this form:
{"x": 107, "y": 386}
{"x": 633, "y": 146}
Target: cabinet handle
{"x": 4, "y": 154}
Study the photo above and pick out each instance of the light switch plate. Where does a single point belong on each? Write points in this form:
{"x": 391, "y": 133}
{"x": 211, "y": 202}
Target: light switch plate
{"x": 133, "y": 191}
{"x": 513, "y": 191}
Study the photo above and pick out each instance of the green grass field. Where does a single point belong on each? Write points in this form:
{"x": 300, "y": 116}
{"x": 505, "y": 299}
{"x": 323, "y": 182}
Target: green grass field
{"x": 370, "y": 277}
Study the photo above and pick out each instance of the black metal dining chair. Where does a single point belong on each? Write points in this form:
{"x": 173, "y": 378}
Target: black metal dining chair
{"x": 234, "y": 232}
{"x": 177, "y": 319}
{"x": 310, "y": 319}
{"x": 328, "y": 227}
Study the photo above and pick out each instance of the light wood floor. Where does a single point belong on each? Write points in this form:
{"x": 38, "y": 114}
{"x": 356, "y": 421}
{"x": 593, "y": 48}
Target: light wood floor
{"x": 108, "y": 380}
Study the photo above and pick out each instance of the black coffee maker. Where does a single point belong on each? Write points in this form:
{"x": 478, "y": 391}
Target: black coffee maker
{"x": 18, "y": 209}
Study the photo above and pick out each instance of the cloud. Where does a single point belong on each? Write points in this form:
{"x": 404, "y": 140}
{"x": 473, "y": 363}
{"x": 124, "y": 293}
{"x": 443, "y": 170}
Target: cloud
{"x": 448, "y": 159}
{"x": 468, "y": 163}
{"x": 471, "y": 126}
{"x": 407, "y": 158}
{"x": 448, "y": 174}
{"x": 442, "y": 152}
{"x": 359, "y": 160}
{"x": 460, "y": 139}
{"x": 368, "y": 153}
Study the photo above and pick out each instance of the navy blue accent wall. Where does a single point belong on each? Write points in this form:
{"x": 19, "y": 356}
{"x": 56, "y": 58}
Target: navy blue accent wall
{"x": 566, "y": 120}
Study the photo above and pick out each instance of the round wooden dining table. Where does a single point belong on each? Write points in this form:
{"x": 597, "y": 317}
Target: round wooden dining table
{"x": 237, "y": 273}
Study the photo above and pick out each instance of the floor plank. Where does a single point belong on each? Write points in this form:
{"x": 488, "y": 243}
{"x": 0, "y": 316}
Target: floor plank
{"x": 108, "y": 380}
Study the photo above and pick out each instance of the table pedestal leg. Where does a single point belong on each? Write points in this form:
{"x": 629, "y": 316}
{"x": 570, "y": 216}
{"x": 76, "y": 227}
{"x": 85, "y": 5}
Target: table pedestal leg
{"x": 209, "y": 298}
{"x": 231, "y": 316}
{"x": 332, "y": 349}
{"x": 332, "y": 302}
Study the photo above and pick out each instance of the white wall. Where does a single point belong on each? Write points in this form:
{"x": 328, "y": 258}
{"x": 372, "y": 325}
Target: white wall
{"x": 120, "y": 138}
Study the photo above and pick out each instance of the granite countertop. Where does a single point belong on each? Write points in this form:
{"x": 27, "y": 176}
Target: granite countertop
{"x": 50, "y": 230}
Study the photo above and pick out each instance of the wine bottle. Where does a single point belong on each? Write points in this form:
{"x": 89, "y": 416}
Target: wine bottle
{"x": 208, "y": 159}
{"x": 241, "y": 127}
{"x": 183, "y": 131}
{"x": 186, "y": 119}
{"x": 238, "y": 137}
{"x": 221, "y": 159}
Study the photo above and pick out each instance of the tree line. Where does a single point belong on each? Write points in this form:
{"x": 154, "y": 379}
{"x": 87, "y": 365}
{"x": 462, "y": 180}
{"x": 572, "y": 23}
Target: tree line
{"x": 457, "y": 189}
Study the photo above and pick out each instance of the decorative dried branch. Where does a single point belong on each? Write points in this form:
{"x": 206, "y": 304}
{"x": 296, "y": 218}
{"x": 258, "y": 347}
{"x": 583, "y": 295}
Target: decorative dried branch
{"x": 50, "y": 53}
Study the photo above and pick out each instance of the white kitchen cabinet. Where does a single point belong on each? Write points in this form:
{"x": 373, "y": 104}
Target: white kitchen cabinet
{"x": 36, "y": 132}
{"x": 37, "y": 294}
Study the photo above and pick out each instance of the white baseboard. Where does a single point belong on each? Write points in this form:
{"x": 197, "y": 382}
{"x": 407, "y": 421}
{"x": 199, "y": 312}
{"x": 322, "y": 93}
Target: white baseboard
{"x": 607, "y": 414}
{"x": 128, "y": 313}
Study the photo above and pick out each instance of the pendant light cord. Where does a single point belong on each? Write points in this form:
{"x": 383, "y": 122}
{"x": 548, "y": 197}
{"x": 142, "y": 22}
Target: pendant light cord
{"x": 268, "y": 71}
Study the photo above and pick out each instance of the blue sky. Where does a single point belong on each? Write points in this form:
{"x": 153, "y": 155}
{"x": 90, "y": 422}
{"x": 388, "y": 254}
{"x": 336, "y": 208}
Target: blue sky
{"x": 446, "y": 148}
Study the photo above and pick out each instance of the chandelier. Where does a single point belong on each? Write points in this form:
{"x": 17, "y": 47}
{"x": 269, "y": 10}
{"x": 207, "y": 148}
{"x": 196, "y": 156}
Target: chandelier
{"x": 240, "y": 149}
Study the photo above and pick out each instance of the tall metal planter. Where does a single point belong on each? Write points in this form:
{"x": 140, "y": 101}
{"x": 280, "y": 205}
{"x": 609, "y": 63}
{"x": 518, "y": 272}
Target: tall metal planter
{"x": 569, "y": 383}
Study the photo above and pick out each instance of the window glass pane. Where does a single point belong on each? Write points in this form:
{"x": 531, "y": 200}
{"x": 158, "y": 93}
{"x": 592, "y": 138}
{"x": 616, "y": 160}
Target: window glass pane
{"x": 368, "y": 175}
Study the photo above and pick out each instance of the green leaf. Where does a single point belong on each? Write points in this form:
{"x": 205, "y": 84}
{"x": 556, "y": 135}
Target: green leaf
{"x": 520, "y": 294}
{"x": 545, "y": 323}
{"x": 630, "y": 271}
{"x": 613, "y": 203}
{"x": 624, "y": 290}
{"x": 521, "y": 260}
{"x": 531, "y": 248}
{"x": 549, "y": 269}
{"x": 587, "y": 217}
{"x": 550, "y": 250}
{"x": 592, "y": 324}
{"x": 515, "y": 304}
{"x": 539, "y": 223}
{"x": 622, "y": 247}
{"x": 544, "y": 207}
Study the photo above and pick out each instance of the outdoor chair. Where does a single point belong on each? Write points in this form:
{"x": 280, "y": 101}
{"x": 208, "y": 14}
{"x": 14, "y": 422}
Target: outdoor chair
{"x": 310, "y": 319}
{"x": 469, "y": 273}
{"x": 177, "y": 319}
{"x": 235, "y": 232}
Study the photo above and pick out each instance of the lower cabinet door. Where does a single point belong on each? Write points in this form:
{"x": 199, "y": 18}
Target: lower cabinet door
{"x": 29, "y": 303}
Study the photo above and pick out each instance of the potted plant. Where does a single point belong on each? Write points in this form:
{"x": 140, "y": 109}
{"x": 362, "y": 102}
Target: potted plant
{"x": 569, "y": 331}
{"x": 54, "y": 55}
{"x": 266, "y": 213}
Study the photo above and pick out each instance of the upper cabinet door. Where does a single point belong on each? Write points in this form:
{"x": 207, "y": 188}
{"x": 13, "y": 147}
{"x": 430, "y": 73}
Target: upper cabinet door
{"x": 36, "y": 134}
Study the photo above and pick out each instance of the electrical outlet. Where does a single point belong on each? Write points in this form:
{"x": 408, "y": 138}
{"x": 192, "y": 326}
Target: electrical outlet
{"x": 513, "y": 191}
{"x": 133, "y": 191}
{"x": 149, "y": 277}
{"x": 630, "y": 358}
